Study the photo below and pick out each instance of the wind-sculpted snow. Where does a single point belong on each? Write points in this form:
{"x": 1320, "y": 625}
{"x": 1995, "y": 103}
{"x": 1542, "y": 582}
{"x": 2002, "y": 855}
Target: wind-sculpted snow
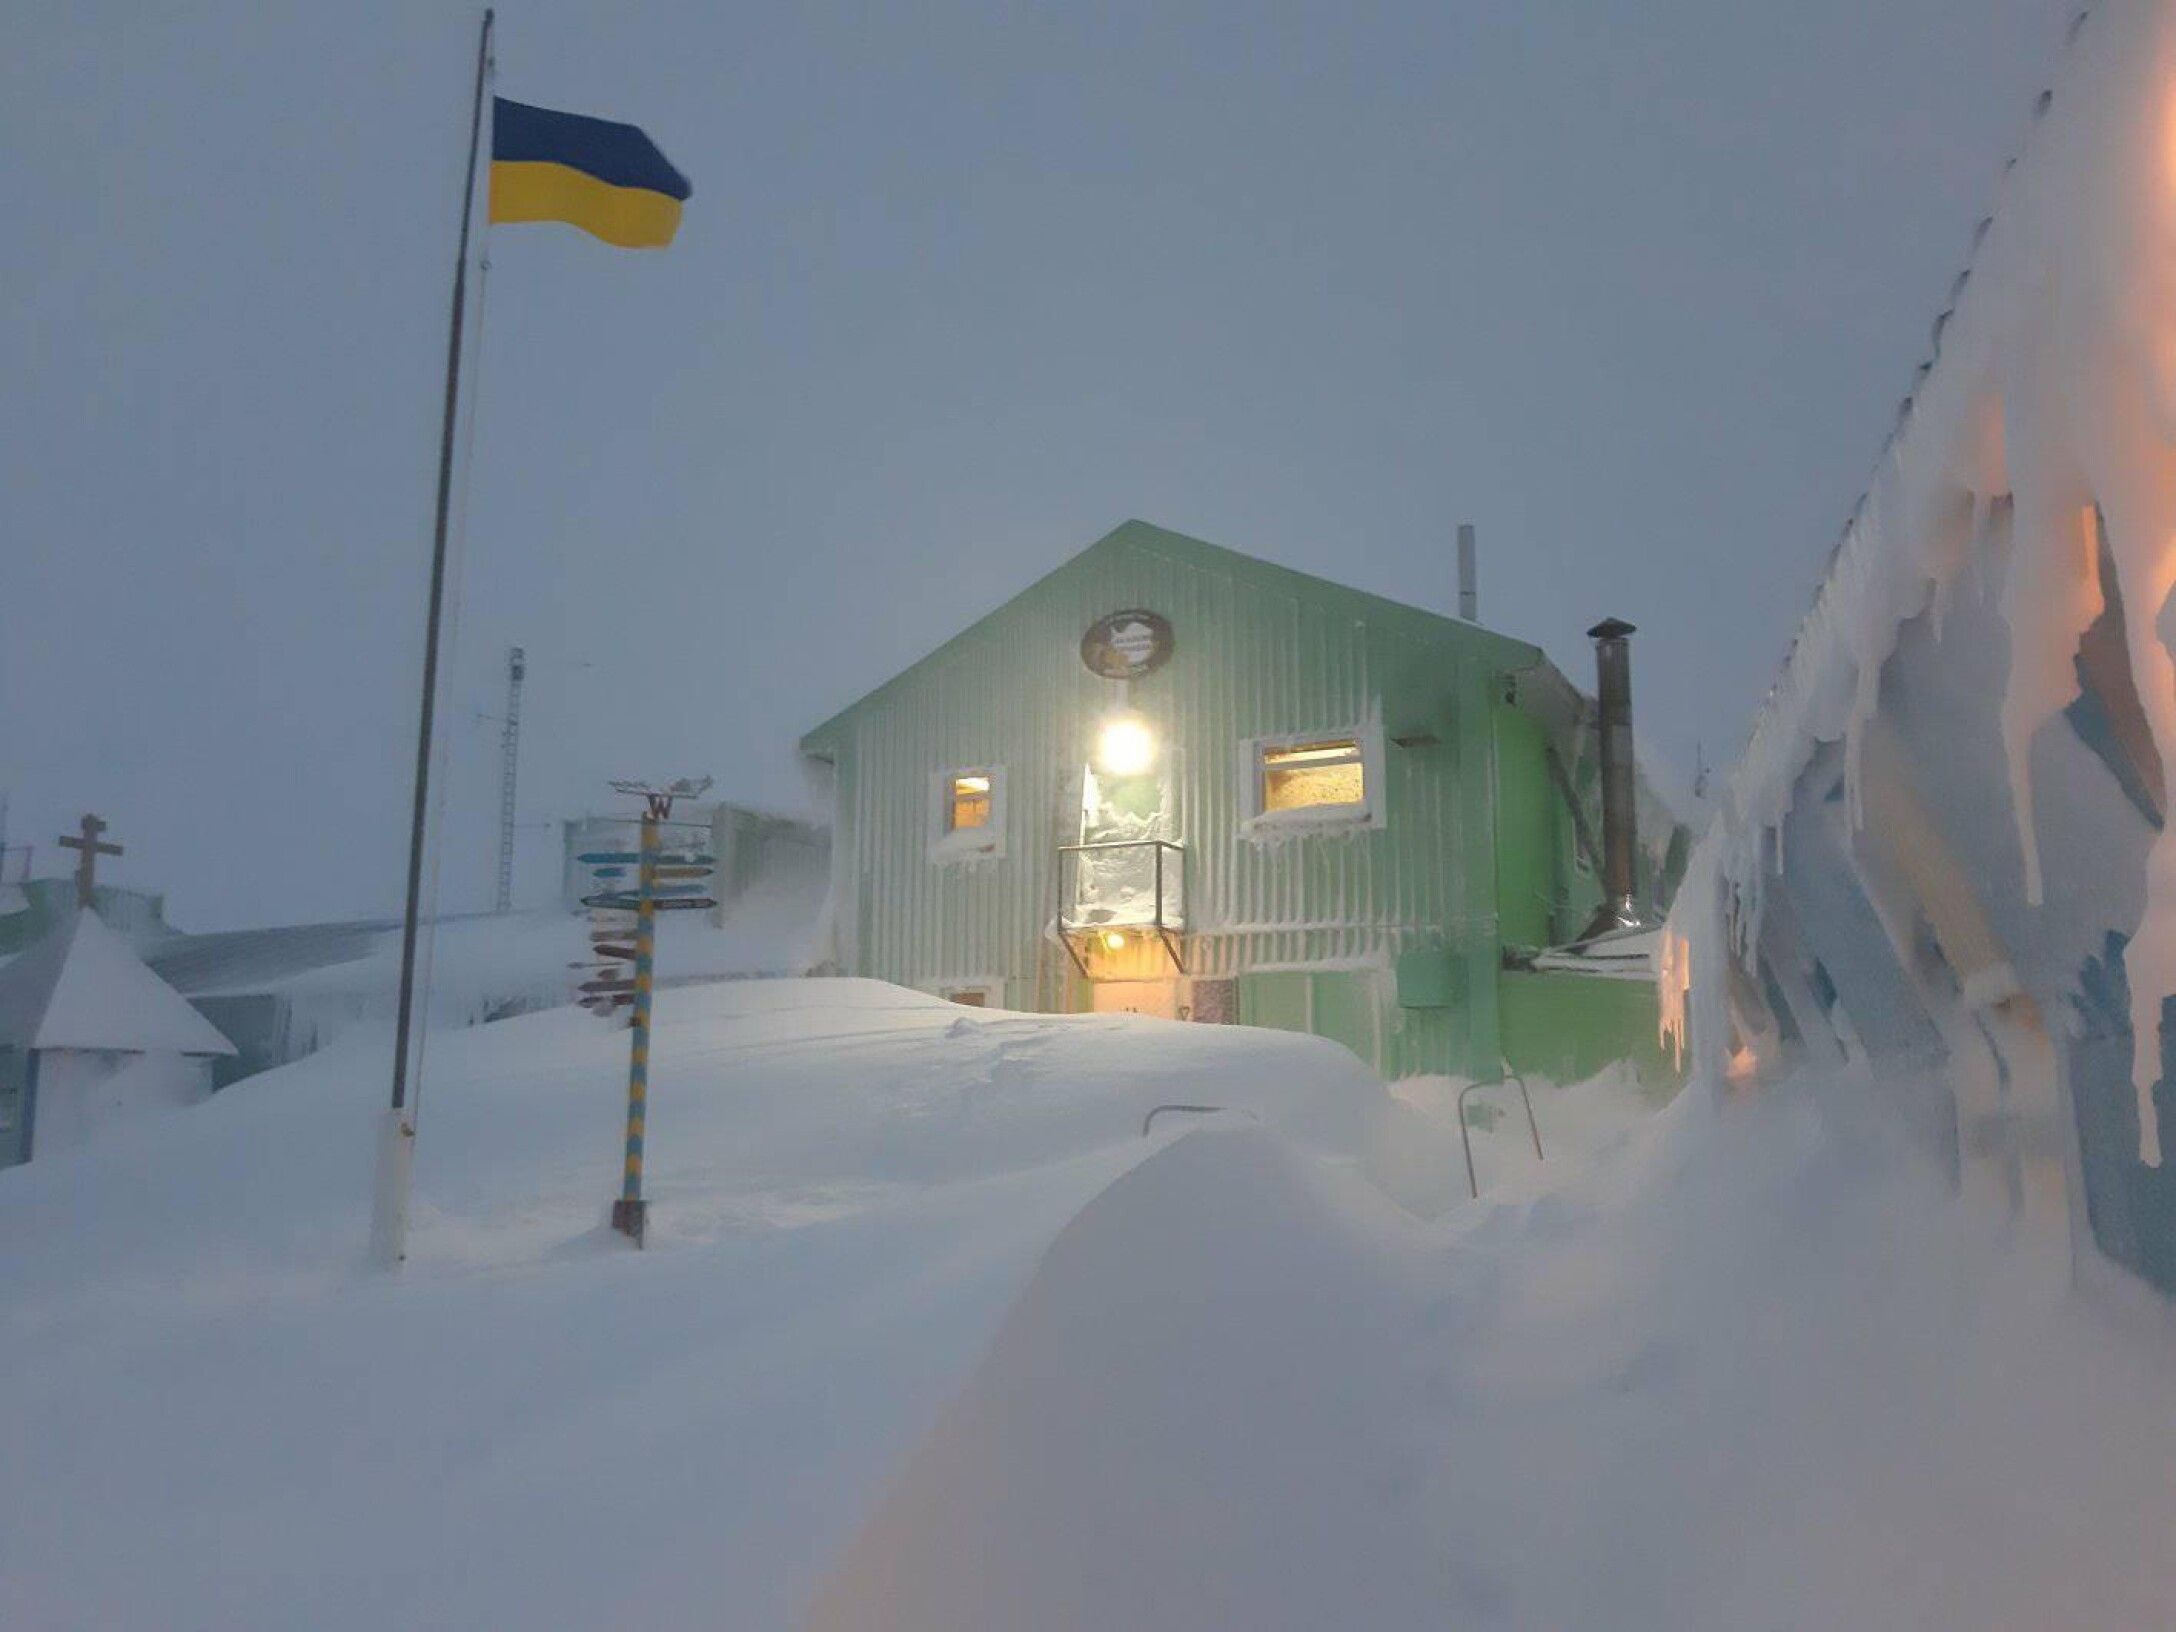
{"x": 218, "y": 1417}
{"x": 1757, "y": 1368}
{"x": 2042, "y": 430}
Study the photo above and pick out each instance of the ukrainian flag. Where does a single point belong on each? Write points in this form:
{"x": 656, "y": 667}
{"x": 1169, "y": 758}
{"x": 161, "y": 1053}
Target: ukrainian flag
{"x": 608, "y": 179}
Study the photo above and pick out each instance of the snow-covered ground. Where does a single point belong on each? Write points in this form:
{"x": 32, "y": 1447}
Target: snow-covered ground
{"x": 1576, "y": 1123}
{"x": 1755, "y": 1368}
{"x": 928, "y": 1335}
{"x": 480, "y": 966}
{"x": 216, "y": 1417}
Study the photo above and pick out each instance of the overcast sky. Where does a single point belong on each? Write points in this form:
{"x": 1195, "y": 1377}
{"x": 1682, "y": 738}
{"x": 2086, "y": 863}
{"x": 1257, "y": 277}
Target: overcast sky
{"x": 1634, "y": 287}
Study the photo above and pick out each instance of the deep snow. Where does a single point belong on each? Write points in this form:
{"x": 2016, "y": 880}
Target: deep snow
{"x": 1749, "y": 1365}
{"x": 216, "y": 1417}
{"x": 1755, "y": 1369}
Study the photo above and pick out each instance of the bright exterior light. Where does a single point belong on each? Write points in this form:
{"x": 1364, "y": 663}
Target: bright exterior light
{"x": 1127, "y": 746}
{"x": 1115, "y": 941}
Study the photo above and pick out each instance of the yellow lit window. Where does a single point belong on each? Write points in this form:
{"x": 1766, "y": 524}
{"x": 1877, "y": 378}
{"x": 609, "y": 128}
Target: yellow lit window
{"x": 967, "y": 801}
{"x": 1313, "y": 775}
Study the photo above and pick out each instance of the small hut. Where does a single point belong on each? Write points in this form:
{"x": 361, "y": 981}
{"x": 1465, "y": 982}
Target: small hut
{"x": 90, "y": 1035}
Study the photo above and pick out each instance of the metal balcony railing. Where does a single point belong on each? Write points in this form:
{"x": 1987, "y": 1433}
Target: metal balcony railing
{"x": 1122, "y": 908}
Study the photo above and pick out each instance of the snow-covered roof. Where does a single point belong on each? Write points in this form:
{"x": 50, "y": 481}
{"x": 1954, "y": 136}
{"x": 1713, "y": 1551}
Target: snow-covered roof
{"x": 1622, "y": 954}
{"x": 83, "y": 986}
{"x": 256, "y": 960}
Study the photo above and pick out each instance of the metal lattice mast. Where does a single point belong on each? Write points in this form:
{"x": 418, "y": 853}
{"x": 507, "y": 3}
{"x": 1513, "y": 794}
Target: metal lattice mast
{"x": 509, "y": 765}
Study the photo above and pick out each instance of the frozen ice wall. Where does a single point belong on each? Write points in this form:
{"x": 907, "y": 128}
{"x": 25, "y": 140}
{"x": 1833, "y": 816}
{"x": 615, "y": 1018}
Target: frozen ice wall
{"x": 1946, "y": 837}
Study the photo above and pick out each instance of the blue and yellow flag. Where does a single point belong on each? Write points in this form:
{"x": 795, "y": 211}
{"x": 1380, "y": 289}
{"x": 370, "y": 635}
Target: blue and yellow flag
{"x": 608, "y": 179}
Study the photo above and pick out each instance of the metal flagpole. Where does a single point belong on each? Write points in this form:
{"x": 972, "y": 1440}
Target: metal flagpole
{"x": 396, "y": 1145}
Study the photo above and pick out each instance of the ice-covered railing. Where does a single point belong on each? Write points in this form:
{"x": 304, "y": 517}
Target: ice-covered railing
{"x": 2052, "y": 385}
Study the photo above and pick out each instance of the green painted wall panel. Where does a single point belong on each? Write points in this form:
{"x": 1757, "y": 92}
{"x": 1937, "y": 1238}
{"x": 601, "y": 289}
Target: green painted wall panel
{"x": 1348, "y": 1009}
{"x": 1278, "y": 1001}
{"x": 1567, "y": 1027}
{"x": 1532, "y": 844}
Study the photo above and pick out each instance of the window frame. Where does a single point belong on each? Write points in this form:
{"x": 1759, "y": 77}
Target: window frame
{"x": 951, "y": 844}
{"x": 1259, "y": 821}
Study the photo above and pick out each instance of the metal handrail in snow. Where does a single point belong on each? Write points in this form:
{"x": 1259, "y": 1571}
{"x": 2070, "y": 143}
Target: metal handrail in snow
{"x": 1465, "y": 1134}
{"x": 1192, "y": 1110}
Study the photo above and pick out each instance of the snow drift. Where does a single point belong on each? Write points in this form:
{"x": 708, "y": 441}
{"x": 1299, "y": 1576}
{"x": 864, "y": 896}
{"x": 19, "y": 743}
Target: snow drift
{"x": 218, "y": 1417}
{"x": 1758, "y": 1368}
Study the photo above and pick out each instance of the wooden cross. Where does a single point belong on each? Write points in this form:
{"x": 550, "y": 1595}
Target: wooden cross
{"x": 87, "y": 863}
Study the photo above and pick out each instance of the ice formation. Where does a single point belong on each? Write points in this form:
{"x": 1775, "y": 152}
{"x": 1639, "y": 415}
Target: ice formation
{"x": 2045, "y": 419}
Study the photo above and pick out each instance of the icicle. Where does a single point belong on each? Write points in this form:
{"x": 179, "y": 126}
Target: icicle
{"x": 2140, "y": 510}
{"x": 2147, "y": 963}
{"x": 2051, "y": 595}
{"x": 1673, "y": 980}
{"x": 2056, "y": 385}
{"x": 1692, "y": 968}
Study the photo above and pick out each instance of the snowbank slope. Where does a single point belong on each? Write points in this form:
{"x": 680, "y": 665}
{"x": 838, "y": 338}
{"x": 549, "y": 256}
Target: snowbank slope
{"x": 1757, "y": 1369}
{"x": 216, "y": 1417}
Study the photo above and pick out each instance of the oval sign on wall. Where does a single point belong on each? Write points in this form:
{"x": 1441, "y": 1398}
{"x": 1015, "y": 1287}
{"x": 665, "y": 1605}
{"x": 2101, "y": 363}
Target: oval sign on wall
{"x": 1127, "y": 645}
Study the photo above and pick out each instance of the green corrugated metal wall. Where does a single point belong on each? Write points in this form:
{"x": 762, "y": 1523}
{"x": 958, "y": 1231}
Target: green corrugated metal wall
{"x": 1259, "y": 651}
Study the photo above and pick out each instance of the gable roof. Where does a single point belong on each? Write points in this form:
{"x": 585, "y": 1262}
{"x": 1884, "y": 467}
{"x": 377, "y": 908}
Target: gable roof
{"x": 1146, "y": 538}
{"x": 257, "y": 960}
{"x": 83, "y": 986}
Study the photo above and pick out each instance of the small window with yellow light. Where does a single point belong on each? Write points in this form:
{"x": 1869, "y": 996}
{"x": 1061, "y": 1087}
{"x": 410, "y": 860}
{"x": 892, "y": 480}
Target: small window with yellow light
{"x": 1327, "y": 775}
{"x": 967, "y": 813}
{"x": 967, "y": 801}
{"x": 1320, "y": 780}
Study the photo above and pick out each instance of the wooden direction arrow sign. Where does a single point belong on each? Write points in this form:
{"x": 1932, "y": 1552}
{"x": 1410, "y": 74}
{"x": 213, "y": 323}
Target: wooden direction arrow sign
{"x": 682, "y": 872}
{"x": 607, "y": 858}
{"x": 685, "y": 903}
{"x": 663, "y": 896}
{"x": 621, "y": 954}
{"x": 608, "y": 984}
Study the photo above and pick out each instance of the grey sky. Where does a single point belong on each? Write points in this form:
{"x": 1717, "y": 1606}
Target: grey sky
{"x": 1634, "y": 287}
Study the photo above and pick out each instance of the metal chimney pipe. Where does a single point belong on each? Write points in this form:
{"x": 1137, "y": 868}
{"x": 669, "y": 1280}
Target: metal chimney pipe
{"x": 1620, "y": 815}
{"x": 1469, "y": 583}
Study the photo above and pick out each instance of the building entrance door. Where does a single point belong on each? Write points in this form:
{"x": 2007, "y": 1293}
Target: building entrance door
{"x": 1158, "y": 998}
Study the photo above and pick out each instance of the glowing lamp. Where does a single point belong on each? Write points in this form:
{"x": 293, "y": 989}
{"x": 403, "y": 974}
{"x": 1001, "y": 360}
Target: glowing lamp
{"x": 1114, "y": 940}
{"x": 1127, "y": 746}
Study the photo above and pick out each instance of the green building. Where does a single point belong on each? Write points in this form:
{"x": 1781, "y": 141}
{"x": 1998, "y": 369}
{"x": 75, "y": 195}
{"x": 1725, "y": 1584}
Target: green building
{"x": 1173, "y": 779}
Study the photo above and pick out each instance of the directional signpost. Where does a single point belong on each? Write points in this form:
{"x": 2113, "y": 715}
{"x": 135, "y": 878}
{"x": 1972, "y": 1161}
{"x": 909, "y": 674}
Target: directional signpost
{"x": 623, "y": 940}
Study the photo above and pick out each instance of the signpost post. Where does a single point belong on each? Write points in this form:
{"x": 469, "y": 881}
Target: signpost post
{"x": 611, "y": 937}
{"x": 630, "y": 1214}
